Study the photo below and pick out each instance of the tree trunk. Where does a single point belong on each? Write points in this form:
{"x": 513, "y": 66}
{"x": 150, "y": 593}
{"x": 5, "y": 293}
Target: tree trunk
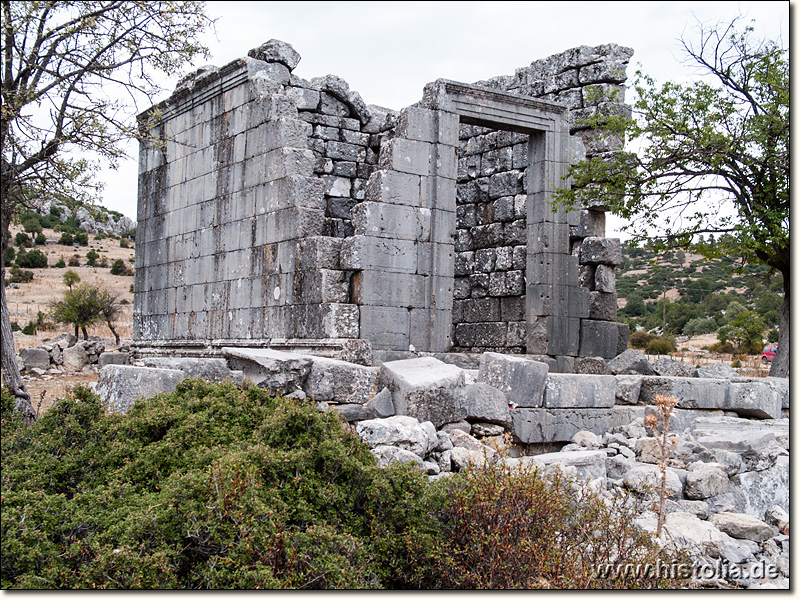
{"x": 85, "y": 333}
{"x": 11, "y": 376}
{"x": 114, "y": 331}
{"x": 780, "y": 364}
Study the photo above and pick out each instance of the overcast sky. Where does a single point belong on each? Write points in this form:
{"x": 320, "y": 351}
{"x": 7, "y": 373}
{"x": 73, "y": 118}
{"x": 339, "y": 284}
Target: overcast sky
{"x": 388, "y": 51}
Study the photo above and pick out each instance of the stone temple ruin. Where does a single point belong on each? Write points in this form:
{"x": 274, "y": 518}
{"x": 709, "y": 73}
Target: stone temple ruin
{"x": 287, "y": 213}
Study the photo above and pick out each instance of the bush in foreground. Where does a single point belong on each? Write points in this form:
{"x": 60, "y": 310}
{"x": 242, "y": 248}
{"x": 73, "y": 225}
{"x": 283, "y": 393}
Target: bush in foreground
{"x": 218, "y": 486}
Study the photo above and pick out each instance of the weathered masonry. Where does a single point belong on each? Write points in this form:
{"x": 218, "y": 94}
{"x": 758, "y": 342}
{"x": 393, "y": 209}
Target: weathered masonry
{"x": 288, "y": 213}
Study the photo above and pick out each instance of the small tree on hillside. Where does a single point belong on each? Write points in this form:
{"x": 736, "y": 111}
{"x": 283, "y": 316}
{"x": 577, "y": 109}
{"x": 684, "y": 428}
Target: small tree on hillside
{"x": 70, "y": 278}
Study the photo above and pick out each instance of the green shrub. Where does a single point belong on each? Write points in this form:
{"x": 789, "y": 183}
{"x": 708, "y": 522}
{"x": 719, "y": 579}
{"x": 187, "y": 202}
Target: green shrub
{"x": 100, "y": 237}
{"x": 659, "y": 346}
{"x": 20, "y": 276}
{"x": 123, "y": 243}
{"x": 513, "y": 528}
{"x": 60, "y": 264}
{"x": 22, "y": 240}
{"x": 118, "y": 267}
{"x": 82, "y": 238}
{"x": 91, "y": 257}
{"x": 35, "y": 259}
{"x": 41, "y": 239}
{"x": 211, "y": 486}
{"x": 66, "y": 239}
{"x": 9, "y": 255}
{"x": 640, "y": 339}
{"x": 723, "y": 347}
{"x": 74, "y": 261}
{"x": 772, "y": 336}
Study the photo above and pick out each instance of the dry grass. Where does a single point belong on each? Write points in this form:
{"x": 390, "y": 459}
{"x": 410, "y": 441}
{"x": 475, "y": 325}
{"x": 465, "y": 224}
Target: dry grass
{"x": 28, "y": 299}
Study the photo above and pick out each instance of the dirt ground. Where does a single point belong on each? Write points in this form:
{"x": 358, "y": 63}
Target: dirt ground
{"x": 25, "y": 300}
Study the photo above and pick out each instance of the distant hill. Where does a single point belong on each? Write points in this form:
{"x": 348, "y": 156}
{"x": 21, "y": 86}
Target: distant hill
{"x": 703, "y": 294}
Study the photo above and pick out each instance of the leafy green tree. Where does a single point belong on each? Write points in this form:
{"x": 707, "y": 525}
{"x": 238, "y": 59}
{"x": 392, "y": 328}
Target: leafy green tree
{"x": 713, "y": 157}
{"x": 32, "y": 225}
{"x": 70, "y": 278}
{"x": 91, "y": 257}
{"x": 64, "y": 66}
{"x": 747, "y": 331}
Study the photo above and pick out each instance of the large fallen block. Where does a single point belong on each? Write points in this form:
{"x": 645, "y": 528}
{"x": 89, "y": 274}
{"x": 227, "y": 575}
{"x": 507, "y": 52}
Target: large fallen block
{"x": 522, "y": 380}
{"x": 763, "y": 489}
{"x": 566, "y": 390}
{"x": 545, "y": 425}
{"x": 120, "y": 386}
{"x": 425, "y": 388}
{"x": 484, "y": 403}
{"x": 340, "y": 381}
{"x": 210, "y": 369}
{"x": 750, "y": 399}
{"x": 399, "y": 431}
{"x": 279, "y": 372}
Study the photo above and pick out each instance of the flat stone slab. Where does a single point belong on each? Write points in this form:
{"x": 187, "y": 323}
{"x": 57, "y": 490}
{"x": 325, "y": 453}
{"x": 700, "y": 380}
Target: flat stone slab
{"x": 210, "y": 369}
{"x": 340, "y": 381}
{"x": 120, "y": 386}
{"x": 590, "y": 464}
{"x": 763, "y": 489}
{"x": 280, "y": 372}
{"x": 112, "y": 358}
{"x": 566, "y": 390}
{"x": 425, "y": 388}
{"x": 742, "y": 526}
{"x": 543, "y": 425}
{"x": 522, "y": 380}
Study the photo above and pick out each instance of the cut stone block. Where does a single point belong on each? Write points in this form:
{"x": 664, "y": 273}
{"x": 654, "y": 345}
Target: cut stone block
{"x": 565, "y": 390}
{"x": 705, "y": 480}
{"x": 646, "y": 478}
{"x": 75, "y": 358}
{"x": 600, "y": 251}
{"x": 35, "y": 358}
{"x": 521, "y": 380}
{"x": 276, "y": 51}
{"x": 381, "y": 404}
{"x": 590, "y": 365}
{"x": 628, "y": 388}
{"x": 120, "y": 386}
{"x": 340, "y": 381}
{"x": 544, "y": 425}
{"x": 112, "y": 358}
{"x": 602, "y": 338}
{"x": 210, "y": 369}
{"x": 763, "y": 489}
{"x": 425, "y": 388}
{"x": 386, "y": 455}
{"x": 279, "y": 372}
{"x": 482, "y": 402}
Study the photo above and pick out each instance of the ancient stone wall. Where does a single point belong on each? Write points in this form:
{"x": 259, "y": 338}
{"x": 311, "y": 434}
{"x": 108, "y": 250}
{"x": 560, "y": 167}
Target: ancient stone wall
{"x": 284, "y": 211}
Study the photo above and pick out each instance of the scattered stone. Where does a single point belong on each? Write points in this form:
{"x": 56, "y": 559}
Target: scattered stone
{"x": 742, "y": 526}
{"x": 631, "y": 362}
{"x": 591, "y": 366}
{"x": 705, "y": 480}
{"x": 672, "y": 368}
{"x": 483, "y": 430}
{"x": 381, "y": 404}
{"x": 587, "y": 439}
{"x": 112, "y": 358}
{"x": 75, "y": 358}
{"x": 386, "y": 455}
{"x": 400, "y": 431}
{"x": 589, "y": 464}
{"x": 777, "y": 517}
{"x": 276, "y": 51}
{"x": 646, "y": 479}
{"x": 344, "y": 382}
